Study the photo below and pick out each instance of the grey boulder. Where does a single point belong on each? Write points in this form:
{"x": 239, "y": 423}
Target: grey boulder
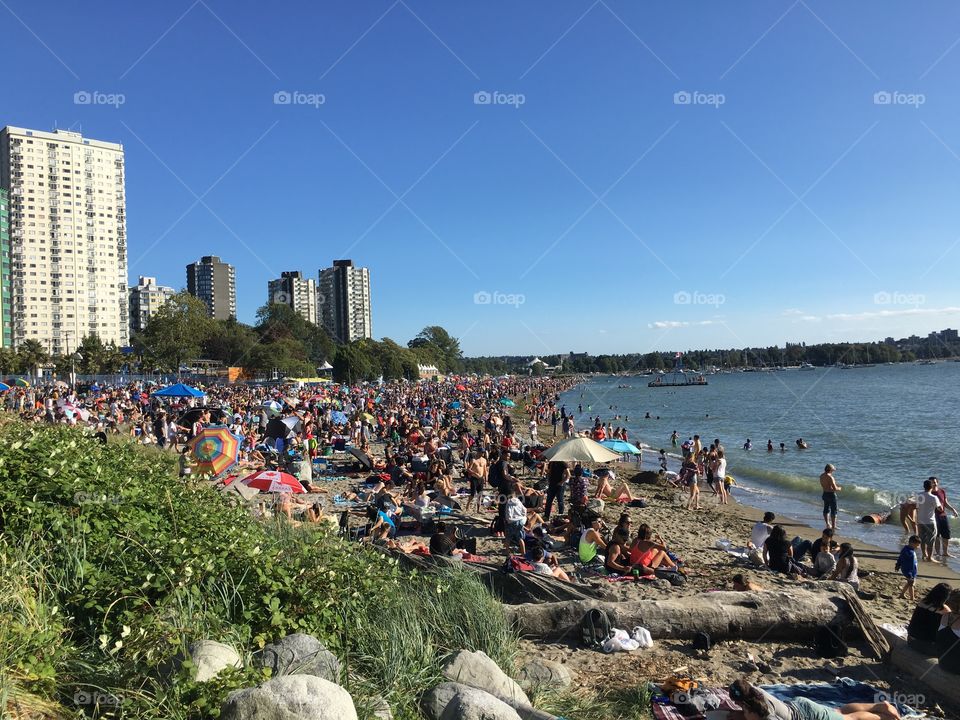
{"x": 209, "y": 657}
{"x": 299, "y": 654}
{"x": 477, "y": 670}
{"x": 453, "y": 701}
{"x": 291, "y": 697}
{"x": 538, "y": 673}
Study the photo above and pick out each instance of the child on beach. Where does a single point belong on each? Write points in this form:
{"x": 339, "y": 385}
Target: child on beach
{"x": 663, "y": 460}
{"x": 907, "y": 565}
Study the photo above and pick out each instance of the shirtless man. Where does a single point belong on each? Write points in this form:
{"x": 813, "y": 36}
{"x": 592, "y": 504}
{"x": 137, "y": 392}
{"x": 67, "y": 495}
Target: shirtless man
{"x": 476, "y": 472}
{"x": 830, "y": 489}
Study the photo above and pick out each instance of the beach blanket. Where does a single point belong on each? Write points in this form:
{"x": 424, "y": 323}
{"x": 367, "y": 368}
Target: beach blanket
{"x": 834, "y": 695}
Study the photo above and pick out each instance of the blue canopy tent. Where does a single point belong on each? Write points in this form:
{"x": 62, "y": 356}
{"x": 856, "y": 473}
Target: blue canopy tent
{"x": 179, "y": 390}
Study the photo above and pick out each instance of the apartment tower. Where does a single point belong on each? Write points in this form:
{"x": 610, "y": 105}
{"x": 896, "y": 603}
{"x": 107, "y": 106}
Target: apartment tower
{"x": 300, "y": 293}
{"x": 68, "y": 237}
{"x": 146, "y": 297}
{"x": 344, "y": 301}
{"x": 215, "y": 283}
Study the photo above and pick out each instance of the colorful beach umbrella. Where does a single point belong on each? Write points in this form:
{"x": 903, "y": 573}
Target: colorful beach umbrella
{"x": 621, "y": 446}
{"x": 273, "y": 408}
{"x": 22, "y": 382}
{"x": 215, "y": 449}
{"x": 273, "y": 481}
{"x": 4, "y": 387}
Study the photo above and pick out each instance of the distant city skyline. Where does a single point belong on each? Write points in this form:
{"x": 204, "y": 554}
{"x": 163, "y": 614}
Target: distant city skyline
{"x": 611, "y": 177}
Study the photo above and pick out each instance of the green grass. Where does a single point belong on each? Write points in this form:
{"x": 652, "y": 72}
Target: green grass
{"x": 615, "y": 704}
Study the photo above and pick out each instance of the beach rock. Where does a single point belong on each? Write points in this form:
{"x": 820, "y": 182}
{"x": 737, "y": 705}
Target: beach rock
{"x": 209, "y": 657}
{"x": 299, "y": 654}
{"x": 453, "y": 701}
{"x": 290, "y": 697}
{"x": 660, "y": 584}
{"x": 539, "y": 673}
{"x": 477, "y": 670}
{"x": 380, "y": 708}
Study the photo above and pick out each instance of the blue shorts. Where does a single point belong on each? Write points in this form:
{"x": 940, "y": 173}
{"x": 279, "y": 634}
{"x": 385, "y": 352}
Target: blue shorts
{"x": 514, "y": 532}
{"x": 830, "y": 503}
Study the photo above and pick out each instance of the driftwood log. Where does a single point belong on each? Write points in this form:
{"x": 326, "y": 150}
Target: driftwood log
{"x": 767, "y": 615}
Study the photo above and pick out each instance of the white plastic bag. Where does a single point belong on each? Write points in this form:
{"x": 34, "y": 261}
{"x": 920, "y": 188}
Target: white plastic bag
{"x": 642, "y": 636}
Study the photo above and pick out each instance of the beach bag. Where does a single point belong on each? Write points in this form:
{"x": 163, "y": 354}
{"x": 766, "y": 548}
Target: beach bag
{"x": 701, "y": 641}
{"x": 595, "y": 628}
{"x": 828, "y": 643}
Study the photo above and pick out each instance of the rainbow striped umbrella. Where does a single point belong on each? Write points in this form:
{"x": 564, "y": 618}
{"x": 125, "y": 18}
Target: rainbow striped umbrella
{"x": 215, "y": 449}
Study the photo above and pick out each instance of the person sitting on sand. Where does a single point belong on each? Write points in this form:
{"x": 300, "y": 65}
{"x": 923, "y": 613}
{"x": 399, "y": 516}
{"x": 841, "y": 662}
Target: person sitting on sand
{"x": 542, "y": 568}
{"x": 618, "y": 555}
{"x": 645, "y": 553}
{"x": 778, "y": 553}
{"x": 756, "y": 704}
{"x": 761, "y": 530}
{"x": 742, "y": 584}
{"x": 591, "y": 541}
{"x": 826, "y": 560}
{"x": 927, "y": 617}
{"x": 847, "y": 567}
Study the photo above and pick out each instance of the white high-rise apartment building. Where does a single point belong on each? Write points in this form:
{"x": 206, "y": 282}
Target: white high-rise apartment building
{"x": 68, "y": 237}
{"x": 300, "y": 293}
{"x": 146, "y": 297}
{"x": 344, "y": 301}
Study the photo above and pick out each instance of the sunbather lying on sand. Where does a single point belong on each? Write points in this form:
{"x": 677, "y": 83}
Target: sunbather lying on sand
{"x": 760, "y": 705}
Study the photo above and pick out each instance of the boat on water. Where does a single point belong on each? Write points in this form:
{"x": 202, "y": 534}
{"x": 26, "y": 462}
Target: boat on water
{"x": 807, "y": 366}
{"x": 679, "y": 377}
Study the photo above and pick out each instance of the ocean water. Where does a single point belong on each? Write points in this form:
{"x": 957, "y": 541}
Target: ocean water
{"x": 885, "y": 428}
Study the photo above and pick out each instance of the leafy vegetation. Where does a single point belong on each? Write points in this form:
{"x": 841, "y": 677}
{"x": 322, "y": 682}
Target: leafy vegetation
{"x": 111, "y": 567}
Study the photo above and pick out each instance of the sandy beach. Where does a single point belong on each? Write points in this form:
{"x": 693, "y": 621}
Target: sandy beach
{"x": 693, "y": 535}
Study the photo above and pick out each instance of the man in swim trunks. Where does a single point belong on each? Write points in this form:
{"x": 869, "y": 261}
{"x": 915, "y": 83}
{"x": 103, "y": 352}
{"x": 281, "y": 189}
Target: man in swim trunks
{"x": 830, "y": 489}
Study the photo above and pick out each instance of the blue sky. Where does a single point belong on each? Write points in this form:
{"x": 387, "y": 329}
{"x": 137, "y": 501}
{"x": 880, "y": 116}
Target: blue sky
{"x": 537, "y": 177}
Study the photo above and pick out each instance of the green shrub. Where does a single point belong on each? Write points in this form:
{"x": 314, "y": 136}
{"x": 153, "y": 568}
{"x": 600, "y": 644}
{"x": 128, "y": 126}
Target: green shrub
{"x": 128, "y": 565}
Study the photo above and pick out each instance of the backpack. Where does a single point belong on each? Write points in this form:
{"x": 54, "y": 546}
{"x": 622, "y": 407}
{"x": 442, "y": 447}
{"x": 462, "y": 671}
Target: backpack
{"x": 828, "y": 643}
{"x": 594, "y": 628}
{"x": 516, "y": 564}
{"x": 701, "y": 641}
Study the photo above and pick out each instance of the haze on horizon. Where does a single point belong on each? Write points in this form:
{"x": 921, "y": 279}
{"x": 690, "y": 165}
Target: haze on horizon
{"x": 609, "y": 177}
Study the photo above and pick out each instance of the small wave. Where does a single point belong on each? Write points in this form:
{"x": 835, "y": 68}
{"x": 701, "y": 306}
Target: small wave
{"x": 809, "y": 487}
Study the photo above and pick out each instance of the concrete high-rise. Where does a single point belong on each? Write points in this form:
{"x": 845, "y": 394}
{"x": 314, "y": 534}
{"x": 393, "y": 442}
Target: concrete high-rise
{"x": 68, "y": 237}
{"x": 215, "y": 283}
{"x": 300, "y": 293}
{"x": 146, "y": 297}
{"x": 344, "y": 301}
{"x": 6, "y": 317}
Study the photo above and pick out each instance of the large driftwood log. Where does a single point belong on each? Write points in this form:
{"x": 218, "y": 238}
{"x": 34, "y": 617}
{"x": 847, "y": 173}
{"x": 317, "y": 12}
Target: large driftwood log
{"x": 764, "y": 615}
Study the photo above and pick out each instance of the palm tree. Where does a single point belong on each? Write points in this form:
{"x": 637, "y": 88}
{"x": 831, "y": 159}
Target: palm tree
{"x": 30, "y": 356}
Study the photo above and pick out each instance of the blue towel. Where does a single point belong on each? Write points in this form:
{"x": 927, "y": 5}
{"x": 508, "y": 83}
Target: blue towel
{"x": 841, "y": 692}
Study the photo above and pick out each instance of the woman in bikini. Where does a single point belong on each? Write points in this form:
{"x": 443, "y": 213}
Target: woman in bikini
{"x": 645, "y": 553}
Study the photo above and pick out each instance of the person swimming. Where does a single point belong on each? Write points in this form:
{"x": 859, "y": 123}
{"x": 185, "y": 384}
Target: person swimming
{"x": 769, "y": 445}
{"x": 748, "y": 445}
{"x": 801, "y": 445}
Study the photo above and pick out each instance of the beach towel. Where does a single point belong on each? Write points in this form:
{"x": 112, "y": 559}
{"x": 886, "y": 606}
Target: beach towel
{"x": 836, "y": 694}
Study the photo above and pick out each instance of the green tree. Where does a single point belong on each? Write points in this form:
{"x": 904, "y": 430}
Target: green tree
{"x": 8, "y": 360}
{"x": 438, "y": 345}
{"x": 176, "y": 332}
{"x": 230, "y": 342}
{"x": 30, "y": 356}
{"x": 351, "y": 364}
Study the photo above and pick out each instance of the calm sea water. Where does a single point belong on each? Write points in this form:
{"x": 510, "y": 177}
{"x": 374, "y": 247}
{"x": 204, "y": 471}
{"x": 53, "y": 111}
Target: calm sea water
{"x": 885, "y": 428}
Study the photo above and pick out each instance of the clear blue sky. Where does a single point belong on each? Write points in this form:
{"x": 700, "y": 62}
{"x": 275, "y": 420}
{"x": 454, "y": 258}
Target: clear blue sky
{"x": 783, "y": 201}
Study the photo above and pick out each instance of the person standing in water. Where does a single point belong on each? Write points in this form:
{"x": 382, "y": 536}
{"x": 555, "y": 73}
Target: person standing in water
{"x": 828, "y": 484}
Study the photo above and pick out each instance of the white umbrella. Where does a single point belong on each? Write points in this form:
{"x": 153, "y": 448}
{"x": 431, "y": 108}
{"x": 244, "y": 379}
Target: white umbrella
{"x": 580, "y": 449}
